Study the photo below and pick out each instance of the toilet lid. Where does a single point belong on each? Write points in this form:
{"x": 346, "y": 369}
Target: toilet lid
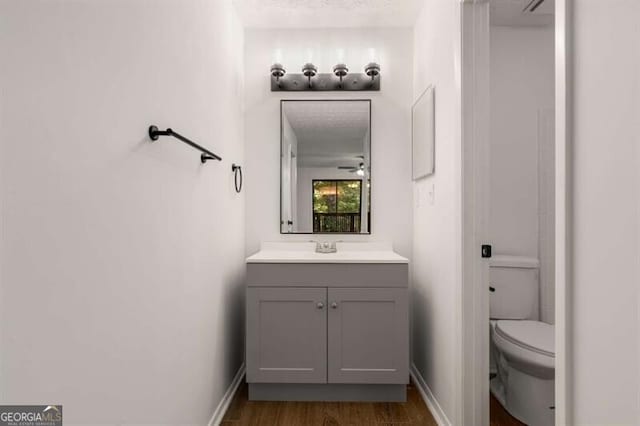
{"x": 533, "y": 335}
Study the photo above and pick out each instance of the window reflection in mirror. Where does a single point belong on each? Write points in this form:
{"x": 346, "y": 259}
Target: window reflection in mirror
{"x": 325, "y": 166}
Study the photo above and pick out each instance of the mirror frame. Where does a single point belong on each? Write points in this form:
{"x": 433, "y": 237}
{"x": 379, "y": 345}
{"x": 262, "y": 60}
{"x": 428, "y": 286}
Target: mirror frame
{"x": 280, "y": 222}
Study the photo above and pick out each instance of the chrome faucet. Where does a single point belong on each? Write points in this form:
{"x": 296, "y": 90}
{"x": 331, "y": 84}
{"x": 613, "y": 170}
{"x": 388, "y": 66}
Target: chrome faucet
{"x": 325, "y": 246}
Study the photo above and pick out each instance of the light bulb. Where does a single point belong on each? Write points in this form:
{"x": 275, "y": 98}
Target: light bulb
{"x": 371, "y": 53}
{"x": 277, "y": 56}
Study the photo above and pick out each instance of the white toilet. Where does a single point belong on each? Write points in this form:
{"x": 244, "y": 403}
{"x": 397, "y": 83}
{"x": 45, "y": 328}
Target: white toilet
{"x": 522, "y": 348}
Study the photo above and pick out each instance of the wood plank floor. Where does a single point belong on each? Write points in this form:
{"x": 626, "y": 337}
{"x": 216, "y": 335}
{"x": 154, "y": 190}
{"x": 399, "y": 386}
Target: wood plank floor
{"x": 500, "y": 416}
{"x": 245, "y": 412}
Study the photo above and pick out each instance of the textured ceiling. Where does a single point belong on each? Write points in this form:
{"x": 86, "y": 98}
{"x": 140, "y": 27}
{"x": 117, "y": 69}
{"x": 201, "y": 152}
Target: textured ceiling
{"x": 327, "y": 13}
{"x": 329, "y": 133}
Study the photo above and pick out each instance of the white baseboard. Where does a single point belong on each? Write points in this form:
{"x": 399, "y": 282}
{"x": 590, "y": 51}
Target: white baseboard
{"x": 432, "y": 404}
{"x": 223, "y": 406}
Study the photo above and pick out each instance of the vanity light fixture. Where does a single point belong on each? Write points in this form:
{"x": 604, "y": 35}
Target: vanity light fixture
{"x": 339, "y": 80}
{"x": 372, "y": 70}
{"x": 340, "y": 70}
{"x": 278, "y": 71}
{"x": 309, "y": 70}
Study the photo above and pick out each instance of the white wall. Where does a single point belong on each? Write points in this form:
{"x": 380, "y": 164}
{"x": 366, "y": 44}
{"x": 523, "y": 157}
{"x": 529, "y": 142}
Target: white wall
{"x": 605, "y": 323}
{"x": 391, "y": 129}
{"x": 521, "y": 85}
{"x": 437, "y": 225}
{"x": 122, "y": 293}
{"x": 522, "y": 96}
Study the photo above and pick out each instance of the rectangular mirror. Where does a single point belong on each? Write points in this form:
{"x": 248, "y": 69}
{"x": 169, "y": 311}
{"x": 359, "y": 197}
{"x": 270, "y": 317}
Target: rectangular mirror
{"x": 325, "y": 167}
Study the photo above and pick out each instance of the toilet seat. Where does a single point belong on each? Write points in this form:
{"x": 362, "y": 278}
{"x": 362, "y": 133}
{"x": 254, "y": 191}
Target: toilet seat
{"x": 527, "y": 345}
{"x": 535, "y": 336}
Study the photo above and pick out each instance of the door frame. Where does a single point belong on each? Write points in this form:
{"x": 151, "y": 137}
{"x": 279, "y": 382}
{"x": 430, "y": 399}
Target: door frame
{"x": 473, "y": 348}
{"x": 563, "y": 201}
{"x": 472, "y": 384}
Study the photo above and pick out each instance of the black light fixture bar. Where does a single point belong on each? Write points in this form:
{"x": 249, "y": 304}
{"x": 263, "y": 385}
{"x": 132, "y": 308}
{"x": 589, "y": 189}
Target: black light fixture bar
{"x": 155, "y": 133}
{"x": 339, "y": 80}
{"x": 325, "y": 82}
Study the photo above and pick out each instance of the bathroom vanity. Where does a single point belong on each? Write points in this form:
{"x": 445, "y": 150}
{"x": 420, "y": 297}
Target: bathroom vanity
{"x": 327, "y": 326}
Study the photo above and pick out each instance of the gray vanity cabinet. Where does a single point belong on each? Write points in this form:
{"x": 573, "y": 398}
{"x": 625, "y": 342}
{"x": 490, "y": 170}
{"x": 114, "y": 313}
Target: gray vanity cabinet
{"x": 286, "y": 335}
{"x": 327, "y": 332}
{"x": 368, "y": 335}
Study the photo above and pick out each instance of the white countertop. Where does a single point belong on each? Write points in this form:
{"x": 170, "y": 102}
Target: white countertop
{"x": 294, "y": 252}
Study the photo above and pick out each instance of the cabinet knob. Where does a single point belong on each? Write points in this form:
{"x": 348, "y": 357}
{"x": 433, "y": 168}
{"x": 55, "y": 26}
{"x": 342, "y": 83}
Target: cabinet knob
{"x": 334, "y": 305}
{"x": 320, "y": 305}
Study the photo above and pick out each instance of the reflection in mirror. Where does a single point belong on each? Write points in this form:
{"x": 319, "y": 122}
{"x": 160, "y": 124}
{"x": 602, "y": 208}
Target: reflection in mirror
{"x": 325, "y": 166}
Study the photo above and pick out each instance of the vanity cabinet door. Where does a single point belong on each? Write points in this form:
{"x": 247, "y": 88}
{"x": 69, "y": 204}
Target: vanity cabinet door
{"x": 368, "y": 335}
{"x": 286, "y": 335}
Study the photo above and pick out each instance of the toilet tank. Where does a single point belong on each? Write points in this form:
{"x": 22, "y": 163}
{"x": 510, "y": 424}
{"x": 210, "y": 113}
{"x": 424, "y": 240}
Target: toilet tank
{"x": 514, "y": 287}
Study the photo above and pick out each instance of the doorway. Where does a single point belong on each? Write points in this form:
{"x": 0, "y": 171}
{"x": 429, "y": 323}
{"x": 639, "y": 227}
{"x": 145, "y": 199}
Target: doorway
{"x": 548, "y": 147}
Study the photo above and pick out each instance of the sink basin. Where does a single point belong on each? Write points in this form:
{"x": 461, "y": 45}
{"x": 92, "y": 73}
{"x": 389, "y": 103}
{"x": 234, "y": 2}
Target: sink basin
{"x": 347, "y": 252}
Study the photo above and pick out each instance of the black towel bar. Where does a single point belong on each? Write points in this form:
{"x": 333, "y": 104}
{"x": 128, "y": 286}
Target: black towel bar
{"x": 155, "y": 133}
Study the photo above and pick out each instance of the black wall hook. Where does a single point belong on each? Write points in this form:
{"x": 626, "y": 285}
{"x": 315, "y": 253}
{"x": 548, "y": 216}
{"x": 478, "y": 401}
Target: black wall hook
{"x": 155, "y": 133}
{"x": 237, "y": 171}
